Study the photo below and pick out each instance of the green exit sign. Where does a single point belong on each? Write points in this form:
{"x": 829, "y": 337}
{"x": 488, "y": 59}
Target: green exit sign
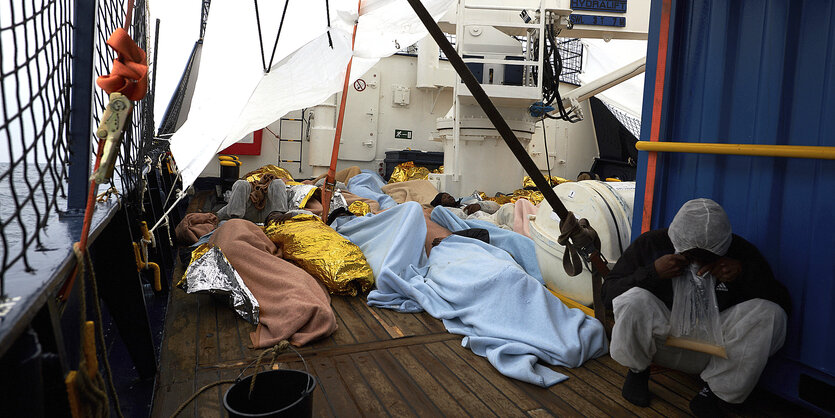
{"x": 402, "y": 134}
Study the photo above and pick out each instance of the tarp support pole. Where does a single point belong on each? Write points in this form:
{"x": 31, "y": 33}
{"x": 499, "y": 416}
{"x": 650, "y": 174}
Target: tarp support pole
{"x": 330, "y": 182}
{"x": 657, "y": 106}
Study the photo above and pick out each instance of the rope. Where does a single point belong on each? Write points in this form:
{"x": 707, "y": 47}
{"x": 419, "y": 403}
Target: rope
{"x": 84, "y": 386}
{"x": 100, "y": 328}
{"x": 128, "y": 15}
{"x": 105, "y": 195}
{"x": 129, "y": 74}
{"x": 328, "y": 17}
{"x": 280, "y": 25}
{"x": 64, "y": 293}
{"x": 260, "y": 38}
{"x": 199, "y": 391}
{"x": 282, "y": 345}
{"x": 575, "y": 236}
{"x": 164, "y": 216}
{"x": 275, "y": 350}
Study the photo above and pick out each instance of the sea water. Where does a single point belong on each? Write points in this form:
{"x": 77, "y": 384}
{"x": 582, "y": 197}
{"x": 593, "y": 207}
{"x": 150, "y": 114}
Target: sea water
{"x": 19, "y": 217}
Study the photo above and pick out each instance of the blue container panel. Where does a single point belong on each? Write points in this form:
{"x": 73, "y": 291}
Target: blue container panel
{"x": 756, "y": 72}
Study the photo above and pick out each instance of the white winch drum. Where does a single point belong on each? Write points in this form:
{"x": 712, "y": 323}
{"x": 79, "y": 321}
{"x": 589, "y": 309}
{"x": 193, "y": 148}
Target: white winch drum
{"x": 608, "y": 208}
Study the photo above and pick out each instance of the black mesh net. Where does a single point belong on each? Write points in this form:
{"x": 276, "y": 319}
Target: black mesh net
{"x": 571, "y": 51}
{"x": 36, "y": 54}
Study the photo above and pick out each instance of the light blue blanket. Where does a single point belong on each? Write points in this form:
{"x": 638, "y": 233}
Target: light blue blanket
{"x": 518, "y": 245}
{"x": 479, "y": 291}
{"x": 368, "y": 184}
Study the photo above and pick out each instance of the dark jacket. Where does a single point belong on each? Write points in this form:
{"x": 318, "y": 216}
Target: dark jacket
{"x": 636, "y": 268}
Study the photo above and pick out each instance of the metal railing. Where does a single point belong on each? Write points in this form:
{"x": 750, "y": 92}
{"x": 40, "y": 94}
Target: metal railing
{"x": 42, "y": 77}
{"x": 786, "y": 151}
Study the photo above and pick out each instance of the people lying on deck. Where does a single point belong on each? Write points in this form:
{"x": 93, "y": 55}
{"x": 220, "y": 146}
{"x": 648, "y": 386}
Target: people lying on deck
{"x": 752, "y": 306}
{"x": 293, "y": 305}
{"x": 254, "y": 201}
{"x": 469, "y": 208}
{"x": 480, "y": 234}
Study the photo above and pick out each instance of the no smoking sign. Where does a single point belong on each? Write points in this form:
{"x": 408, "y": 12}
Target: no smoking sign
{"x": 359, "y": 85}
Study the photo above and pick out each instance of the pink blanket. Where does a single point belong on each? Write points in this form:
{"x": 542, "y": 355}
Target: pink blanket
{"x": 523, "y": 208}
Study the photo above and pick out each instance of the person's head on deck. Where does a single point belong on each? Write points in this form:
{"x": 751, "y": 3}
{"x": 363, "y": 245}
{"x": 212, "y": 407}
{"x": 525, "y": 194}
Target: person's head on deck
{"x": 444, "y": 199}
{"x": 701, "y": 231}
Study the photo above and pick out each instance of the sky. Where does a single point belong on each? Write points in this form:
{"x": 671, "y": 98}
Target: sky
{"x": 179, "y": 30}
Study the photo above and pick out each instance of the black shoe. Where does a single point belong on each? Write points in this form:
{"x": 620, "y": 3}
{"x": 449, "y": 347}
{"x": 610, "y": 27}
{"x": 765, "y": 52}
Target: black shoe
{"x": 705, "y": 404}
{"x": 636, "y": 387}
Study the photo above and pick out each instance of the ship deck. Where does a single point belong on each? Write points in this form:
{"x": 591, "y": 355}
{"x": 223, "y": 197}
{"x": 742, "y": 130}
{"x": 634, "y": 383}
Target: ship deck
{"x": 380, "y": 362}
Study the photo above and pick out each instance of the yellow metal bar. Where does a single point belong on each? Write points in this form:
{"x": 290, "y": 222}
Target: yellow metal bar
{"x": 573, "y": 304}
{"x": 791, "y": 151}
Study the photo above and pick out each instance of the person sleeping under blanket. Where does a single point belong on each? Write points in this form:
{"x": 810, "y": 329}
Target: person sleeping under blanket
{"x": 479, "y": 290}
{"x": 293, "y": 305}
{"x": 468, "y": 207}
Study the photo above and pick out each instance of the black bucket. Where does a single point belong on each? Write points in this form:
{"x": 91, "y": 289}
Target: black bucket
{"x": 277, "y": 393}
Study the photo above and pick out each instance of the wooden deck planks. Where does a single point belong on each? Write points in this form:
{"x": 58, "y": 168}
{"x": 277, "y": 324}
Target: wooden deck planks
{"x": 207, "y": 353}
{"x": 177, "y": 356}
{"x": 506, "y": 386}
{"x": 450, "y": 382}
{"x": 381, "y": 363}
{"x": 427, "y": 383}
{"x": 498, "y": 403}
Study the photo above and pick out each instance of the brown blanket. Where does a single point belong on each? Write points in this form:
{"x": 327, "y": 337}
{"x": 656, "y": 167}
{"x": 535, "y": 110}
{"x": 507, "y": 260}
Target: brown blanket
{"x": 194, "y": 226}
{"x": 294, "y": 306}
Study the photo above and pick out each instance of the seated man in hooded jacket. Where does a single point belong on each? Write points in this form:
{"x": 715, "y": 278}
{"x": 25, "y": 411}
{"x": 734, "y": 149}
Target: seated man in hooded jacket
{"x": 752, "y": 306}
{"x": 255, "y": 201}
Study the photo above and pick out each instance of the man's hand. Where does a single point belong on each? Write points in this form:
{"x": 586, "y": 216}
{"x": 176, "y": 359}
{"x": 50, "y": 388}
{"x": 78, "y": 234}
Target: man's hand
{"x": 276, "y": 216}
{"x": 724, "y": 269}
{"x": 471, "y": 209}
{"x": 670, "y": 265}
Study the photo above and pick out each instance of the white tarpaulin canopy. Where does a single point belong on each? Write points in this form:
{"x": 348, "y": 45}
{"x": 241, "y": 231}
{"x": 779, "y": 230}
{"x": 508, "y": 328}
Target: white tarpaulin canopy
{"x": 234, "y": 96}
{"x": 604, "y": 57}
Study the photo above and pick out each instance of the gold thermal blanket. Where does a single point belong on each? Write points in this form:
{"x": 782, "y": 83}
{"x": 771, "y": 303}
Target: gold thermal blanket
{"x": 408, "y": 171}
{"x": 527, "y": 183}
{"x": 278, "y": 172}
{"x": 315, "y": 247}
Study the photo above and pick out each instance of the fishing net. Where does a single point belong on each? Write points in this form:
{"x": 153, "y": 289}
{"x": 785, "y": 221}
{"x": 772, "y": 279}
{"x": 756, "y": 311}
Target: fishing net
{"x": 39, "y": 76}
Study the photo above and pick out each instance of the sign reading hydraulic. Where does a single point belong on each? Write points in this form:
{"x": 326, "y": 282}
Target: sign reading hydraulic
{"x": 610, "y": 6}
{"x": 613, "y": 6}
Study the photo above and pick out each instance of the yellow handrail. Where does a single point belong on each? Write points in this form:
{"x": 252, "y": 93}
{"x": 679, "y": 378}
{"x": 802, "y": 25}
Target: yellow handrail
{"x": 792, "y": 151}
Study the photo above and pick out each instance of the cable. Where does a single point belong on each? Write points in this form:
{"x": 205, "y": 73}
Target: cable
{"x": 547, "y": 157}
{"x": 260, "y": 38}
{"x": 552, "y": 67}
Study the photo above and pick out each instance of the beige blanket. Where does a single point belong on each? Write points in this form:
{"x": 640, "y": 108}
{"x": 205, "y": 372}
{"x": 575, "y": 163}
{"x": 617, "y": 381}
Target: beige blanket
{"x": 294, "y": 306}
{"x": 421, "y": 191}
{"x": 341, "y": 176}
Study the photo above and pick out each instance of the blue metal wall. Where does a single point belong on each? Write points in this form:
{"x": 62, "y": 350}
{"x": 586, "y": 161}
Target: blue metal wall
{"x": 756, "y": 72}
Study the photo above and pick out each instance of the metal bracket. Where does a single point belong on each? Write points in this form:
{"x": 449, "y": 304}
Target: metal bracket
{"x": 110, "y": 130}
